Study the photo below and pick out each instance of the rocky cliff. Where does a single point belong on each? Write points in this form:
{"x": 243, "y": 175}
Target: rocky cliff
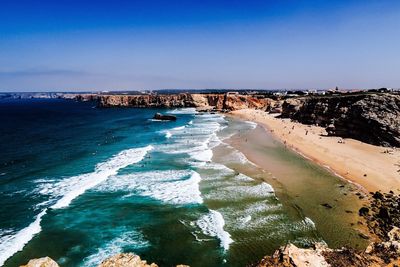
{"x": 225, "y": 101}
{"x": 145, "y": 101}
{"x": 371, "y": 118}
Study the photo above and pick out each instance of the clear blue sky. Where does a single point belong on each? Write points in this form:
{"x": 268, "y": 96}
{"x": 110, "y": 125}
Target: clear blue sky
{"x": 130, "y": 45}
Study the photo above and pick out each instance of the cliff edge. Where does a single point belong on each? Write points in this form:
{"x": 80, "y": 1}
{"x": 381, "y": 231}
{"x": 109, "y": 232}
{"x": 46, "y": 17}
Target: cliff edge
{"x": 371, "y": 118}
{"x": 207, "y": 101}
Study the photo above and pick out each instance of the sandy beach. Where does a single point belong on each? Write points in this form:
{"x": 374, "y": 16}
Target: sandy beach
{"x": 371, "y": 167}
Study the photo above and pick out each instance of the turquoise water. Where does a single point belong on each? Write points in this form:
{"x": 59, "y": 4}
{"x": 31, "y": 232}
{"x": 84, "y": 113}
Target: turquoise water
{"x": 80, "y": 184}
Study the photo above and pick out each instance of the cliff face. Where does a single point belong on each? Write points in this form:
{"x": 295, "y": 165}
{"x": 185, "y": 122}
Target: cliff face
{"x": 371, "y": 118}
{"x": 212, "y": 101}
{"x": 140, "y": 101}
{"x": 235, "y": 102}
{"x": 209, "y": 101}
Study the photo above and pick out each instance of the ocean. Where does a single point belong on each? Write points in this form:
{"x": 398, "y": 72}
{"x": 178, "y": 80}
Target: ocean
{"x": 79, "y": 184}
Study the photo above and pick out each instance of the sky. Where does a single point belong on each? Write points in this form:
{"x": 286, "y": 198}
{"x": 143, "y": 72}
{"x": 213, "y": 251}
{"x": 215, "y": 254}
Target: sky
{"x": 82, "y": 45}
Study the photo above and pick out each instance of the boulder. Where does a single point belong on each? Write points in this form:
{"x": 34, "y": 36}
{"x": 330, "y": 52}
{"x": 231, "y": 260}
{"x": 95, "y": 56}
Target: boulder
{"x": 41, "y": 262}
{"x": 394, "y": 234}
{"x": 292, "y": 256}
{"x": 128, "y": 260}
{"x": 125, "y": 260}
{"x": 363, "y": 211}
{"x": 378, "y": 195}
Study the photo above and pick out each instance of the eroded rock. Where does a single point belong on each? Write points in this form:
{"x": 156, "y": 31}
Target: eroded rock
{"x": 41, "y": 262}
{"x": 126, "y": 260}
{"x": 290, "y": 256}
{"x": 371, "y": 118}
{"x": 209, "y": 101}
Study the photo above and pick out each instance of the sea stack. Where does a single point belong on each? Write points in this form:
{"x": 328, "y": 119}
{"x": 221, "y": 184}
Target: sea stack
{"x": 159, "y": 116}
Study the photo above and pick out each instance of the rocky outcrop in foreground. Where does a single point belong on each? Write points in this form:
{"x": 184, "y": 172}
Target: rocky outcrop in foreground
{"x": 118, "y": 260}
{"x": 377, "y": 254}
{"x": 371, "y": 118}
{"x": 41, "y": 262}
{"x": 125, "y": 260}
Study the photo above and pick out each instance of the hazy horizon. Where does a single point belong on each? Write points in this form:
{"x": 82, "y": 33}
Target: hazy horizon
{"x": 134, "y": 45}
{"x": 188, "y": 90}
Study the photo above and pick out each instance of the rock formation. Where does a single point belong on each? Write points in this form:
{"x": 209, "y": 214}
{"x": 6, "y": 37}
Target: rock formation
{"x": 146, "y": 101}
{"x": 377, "y": 254}
{"x": 125, "y": 260}
{"x": 159, "y": 116}
{"x": 382, "y": 214}
{"x": 41, "y": 262}
{"x": 208, "y": 101}
{"x": 290, "y": 255}
{"x": 79, "y": 97}
{"x": 118, "y": 260}
{"x": 371, "y": 118}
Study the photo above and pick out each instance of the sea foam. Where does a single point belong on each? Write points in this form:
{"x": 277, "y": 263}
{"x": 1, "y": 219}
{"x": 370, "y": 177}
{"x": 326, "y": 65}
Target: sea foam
{"x": 178, "y": 187}
{"x": 168, "y": 134}
{"x": 68, "y": 189}
{"x": 183, "y": 111}
{"x": 212, "y": 224}
{"x": 77, "y": 185}
{"x": 10, "y": 244}
{"x": 252, "y": 124}
{"x": 196, "y": 139}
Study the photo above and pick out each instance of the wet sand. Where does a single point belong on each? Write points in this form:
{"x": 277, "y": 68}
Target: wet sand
{"x": 363, "y": 164}
{"x": 302, "y": 186}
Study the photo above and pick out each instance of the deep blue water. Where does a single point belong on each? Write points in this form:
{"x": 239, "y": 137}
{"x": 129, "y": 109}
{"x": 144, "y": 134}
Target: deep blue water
{"x": 79, "y": 184}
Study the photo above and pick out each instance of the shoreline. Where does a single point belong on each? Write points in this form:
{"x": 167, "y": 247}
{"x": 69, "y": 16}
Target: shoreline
{"x": 335, "y": 203}
{"x": 364, "y": 165}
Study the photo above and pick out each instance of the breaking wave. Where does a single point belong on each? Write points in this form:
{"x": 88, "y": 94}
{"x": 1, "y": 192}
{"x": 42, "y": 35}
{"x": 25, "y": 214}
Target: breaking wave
{"x": 212, "y": 224}
{"x": 172, "y": 186}
{"x": 67, "y": 190}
